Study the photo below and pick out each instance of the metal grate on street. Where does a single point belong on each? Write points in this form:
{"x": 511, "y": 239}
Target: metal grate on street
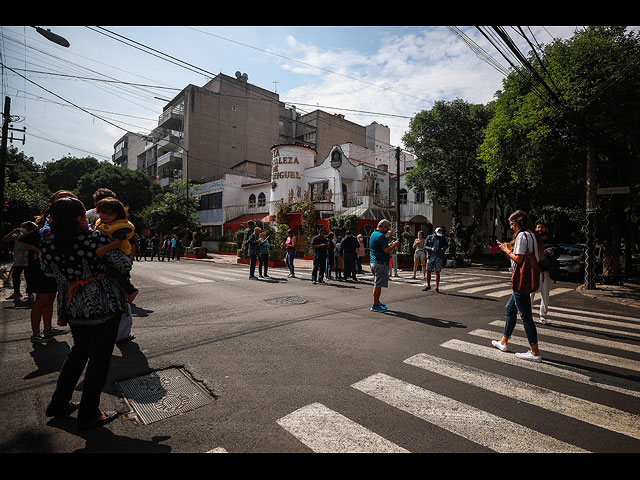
{"x": 163, "y": 394}
{"x": 291, "y": 301}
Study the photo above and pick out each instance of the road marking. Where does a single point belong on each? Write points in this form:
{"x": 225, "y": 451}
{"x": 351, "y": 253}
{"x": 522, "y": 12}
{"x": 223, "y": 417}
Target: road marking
{"x": 501, "y": 293}
{"x": 588, "y": 377}
{"x": 476, "y": 425}
{"x": 169, "y": 281}
{"x": 590, "y": 328}
{"x": 598, "y": 314}
{"x": 326, "y": 431}
{"x": 602, "y": 321}
{"x": 217, "y": 450}
{"x": 592, "y": 413}
{"x": 192, "y": 278}
{"x": 215, "y": 275}
{"x": 587, "y": 355}
{"x": 477, "y": 282}
{"x": 479, "y": 289}
{"x": 545, "y": 330}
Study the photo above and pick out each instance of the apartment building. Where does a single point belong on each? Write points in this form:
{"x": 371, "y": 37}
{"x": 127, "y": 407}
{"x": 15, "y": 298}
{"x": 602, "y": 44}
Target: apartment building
{"x": 127, "y": 149}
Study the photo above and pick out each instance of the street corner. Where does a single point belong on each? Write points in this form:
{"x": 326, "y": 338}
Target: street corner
{"x": 628, "y": 294}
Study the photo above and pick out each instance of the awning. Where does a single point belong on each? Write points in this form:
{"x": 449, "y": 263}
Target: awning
{"x": 243, "y": 219}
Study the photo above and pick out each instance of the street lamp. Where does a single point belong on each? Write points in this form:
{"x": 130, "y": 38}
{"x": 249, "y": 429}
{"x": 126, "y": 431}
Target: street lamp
{"x": 52, "y": 36}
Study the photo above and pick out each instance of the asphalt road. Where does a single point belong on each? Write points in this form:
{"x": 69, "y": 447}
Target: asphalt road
{"x": 288, "y": 366}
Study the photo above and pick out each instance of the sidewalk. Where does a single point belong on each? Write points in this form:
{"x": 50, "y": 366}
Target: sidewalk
{"x": 627, "y": 294}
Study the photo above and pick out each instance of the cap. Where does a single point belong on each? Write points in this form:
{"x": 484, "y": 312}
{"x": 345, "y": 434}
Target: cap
{"x": 439, "y": 231}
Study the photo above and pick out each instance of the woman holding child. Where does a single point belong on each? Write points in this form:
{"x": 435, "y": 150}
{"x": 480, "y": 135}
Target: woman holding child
{"x": 90, "y": 302}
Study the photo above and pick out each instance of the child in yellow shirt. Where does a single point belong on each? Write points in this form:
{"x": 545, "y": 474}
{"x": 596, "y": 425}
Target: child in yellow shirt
{"x": 113, "y": 222}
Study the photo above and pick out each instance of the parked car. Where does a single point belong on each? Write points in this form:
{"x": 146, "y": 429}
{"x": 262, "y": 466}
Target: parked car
{"x": 571, "y": 259}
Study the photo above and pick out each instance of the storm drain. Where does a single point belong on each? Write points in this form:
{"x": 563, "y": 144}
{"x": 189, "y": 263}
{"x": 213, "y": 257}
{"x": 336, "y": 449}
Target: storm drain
{"x": 163, "y": 394}
{"x": 291, "y": 300}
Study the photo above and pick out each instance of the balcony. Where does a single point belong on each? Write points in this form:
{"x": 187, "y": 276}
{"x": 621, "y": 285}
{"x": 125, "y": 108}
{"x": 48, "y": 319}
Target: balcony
{"x": 170, "y": 160}
{"x": 172, "y": 118}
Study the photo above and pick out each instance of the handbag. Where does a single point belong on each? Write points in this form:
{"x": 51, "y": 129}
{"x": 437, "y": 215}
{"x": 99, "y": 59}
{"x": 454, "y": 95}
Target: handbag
{"x": 526, "y": 275}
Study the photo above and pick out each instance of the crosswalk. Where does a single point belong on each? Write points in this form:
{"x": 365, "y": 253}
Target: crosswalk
{"x": 322, "y": 429}
{"x": 490, "y": 285}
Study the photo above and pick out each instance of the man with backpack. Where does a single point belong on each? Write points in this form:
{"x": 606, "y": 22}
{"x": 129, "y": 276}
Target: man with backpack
{"x": 549, "y": 268}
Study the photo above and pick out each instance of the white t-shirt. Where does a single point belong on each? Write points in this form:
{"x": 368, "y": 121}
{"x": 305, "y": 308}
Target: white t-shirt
{"x": 525, "y": 242}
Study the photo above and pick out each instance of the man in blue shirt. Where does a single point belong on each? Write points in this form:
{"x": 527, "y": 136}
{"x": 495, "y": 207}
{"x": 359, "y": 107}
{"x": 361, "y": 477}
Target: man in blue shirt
{"x": 379, "y": 250}
{"x": 435, "y": 246}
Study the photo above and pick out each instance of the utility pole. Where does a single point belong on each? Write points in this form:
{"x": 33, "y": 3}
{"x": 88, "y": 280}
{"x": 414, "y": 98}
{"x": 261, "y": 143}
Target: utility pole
{"x": 6, "y": 117}
{"x": 398, "y": 190}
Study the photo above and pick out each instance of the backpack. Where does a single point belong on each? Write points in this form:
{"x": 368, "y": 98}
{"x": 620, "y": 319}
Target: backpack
{"x": 526, "y": 275}
{"x": 549, "y": 263}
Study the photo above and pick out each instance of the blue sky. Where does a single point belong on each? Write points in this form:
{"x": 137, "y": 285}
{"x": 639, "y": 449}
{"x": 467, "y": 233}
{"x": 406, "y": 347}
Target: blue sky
{"x": 391, "y": 73}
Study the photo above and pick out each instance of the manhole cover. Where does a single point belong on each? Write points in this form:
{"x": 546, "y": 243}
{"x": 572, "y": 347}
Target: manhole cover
{"x": 291, "y": 300}
{"x": 163, "y": 394}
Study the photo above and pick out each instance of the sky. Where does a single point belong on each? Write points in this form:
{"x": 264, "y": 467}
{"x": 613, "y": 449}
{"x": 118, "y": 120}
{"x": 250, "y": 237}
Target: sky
{"x": 79, "y": 100}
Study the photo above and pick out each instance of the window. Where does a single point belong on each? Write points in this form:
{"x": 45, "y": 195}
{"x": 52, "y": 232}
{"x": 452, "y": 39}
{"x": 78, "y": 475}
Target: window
{"x": 420, "y": 196}
{"x": 252, "y": 201}
{"x": 262, "y": 200}
{"x": 403, "y": 196}
{"x": 211, "y": 201}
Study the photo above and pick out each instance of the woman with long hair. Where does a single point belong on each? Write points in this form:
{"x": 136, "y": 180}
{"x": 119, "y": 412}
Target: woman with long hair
{"x": 43, "y": 286}
{"x": 90, "y": 302}
{"x": 419, "y": 257}
{"x": 524, "y": 241}
{"x": 290, "y": 248}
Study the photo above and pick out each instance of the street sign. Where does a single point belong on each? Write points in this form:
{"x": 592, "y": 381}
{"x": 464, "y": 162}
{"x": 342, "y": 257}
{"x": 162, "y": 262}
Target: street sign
{"x": 613, "y": 190}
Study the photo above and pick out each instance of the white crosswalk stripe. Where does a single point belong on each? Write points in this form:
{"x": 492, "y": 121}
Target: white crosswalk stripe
{"x": 326, "y": 431}
{"x": 592, "y": 413}
{"x": 489, "y": 429}
{"x": 464, "y": 420}
{"x": 576, "y": 374}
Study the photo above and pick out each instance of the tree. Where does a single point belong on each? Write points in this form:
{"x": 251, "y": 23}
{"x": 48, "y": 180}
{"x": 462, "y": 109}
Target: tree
{"x": 172, "y": 211}
{"x": 540, "y": 147}
{"x": 134, "y": 188}
{"x": 64, "y": 174}
{"x": 445, "y": 141}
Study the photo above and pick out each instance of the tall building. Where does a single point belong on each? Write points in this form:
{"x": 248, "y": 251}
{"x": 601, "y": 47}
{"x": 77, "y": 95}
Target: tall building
{"x": 127, "y": 149}
{"x": 228, "y": 125}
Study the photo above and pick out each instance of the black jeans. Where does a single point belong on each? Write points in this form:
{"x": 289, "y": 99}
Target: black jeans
{"x": 350, "y": 265}
{"x": 263, "y": 260}
{"x": 92, "y": 347}
{"x": 318, "y": 264}
{"x": 253, "y": 260}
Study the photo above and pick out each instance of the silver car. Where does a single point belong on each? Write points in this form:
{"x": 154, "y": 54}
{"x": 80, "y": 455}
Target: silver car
{"x": 571, "y": 259}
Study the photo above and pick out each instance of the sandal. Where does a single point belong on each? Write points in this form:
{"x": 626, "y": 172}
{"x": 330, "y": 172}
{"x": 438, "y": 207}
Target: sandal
{"x": 103, "y": 419}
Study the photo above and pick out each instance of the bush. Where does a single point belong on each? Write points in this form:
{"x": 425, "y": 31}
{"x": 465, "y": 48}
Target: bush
{"x": 227, "y": 246}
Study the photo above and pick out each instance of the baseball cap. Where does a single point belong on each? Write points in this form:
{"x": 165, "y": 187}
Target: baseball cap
{"x": 439, "y": 231}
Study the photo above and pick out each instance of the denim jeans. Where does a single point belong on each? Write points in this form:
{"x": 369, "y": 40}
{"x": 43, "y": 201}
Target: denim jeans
{"x": 289, "y": 261}
{"x": 253, "y": 260}
{"x": 520, "y": 302}
{"x": 263, "y": 261}
{"x": 319, "y": 264}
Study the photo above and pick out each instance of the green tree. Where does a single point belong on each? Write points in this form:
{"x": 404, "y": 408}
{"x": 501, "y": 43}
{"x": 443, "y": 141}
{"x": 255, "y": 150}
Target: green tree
{"x": 173, "y": 210}
{"x": 65, "y": 173}
{"x": 134, "y": 188}
{"x": 538, "y": 148}
{"x": 445, "y": 141}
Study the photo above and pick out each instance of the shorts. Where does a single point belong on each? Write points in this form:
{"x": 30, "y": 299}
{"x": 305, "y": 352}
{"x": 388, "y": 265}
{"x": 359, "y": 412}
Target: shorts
{"x": 380, "y": 274}
{"x": 419, "y": 254}
{"x": 434, "y": 263}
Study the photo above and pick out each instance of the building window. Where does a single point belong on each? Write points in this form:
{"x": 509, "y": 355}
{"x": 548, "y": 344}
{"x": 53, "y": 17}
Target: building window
{"x": 420, "y": 196}
{"x": 211, "y": 201}
{"x": 403, "y": 196}
{"x": 262, "y": 200}
{"x": 252, "y": 201}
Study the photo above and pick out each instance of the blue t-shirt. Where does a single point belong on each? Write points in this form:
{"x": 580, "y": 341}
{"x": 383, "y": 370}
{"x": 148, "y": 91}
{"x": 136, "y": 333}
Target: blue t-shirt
{"x": 377, "y": 243}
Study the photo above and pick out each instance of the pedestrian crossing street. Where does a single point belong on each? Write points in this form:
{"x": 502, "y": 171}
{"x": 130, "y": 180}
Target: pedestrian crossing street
{"x": 491, "y": 285}
{"x": 324, "y": 430}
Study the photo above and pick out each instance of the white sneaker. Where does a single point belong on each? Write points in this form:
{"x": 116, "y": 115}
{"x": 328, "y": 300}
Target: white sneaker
{"x": 528, "y": 355}
{"x": 543, "y": 320}
{"x": 499, "y": 345}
